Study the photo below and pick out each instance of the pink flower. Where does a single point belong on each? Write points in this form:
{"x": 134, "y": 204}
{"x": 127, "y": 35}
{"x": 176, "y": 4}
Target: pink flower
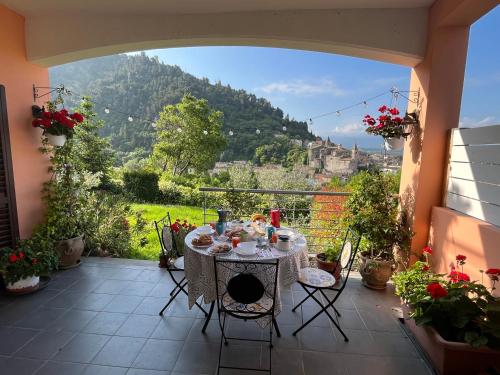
{"x": 427, "y": 250}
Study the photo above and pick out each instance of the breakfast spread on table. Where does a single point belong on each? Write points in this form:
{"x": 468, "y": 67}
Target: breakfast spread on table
{"x": 221, "y": 248}
{"x": 202, "y": 240}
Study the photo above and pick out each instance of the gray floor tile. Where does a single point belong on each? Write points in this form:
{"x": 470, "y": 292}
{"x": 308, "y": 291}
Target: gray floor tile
{"x": 14, "y": 338}
{"x": 287, "y": 340}
{"x": 123, "y": 304}
{"x": 212, "y": 333}
{"x": 82, "y": 348}
{"x": 139, "y": 326}
{"x": 151, "y": 305}
{"x": 245, "y": 356}
{"x": 135, "y": 371}
{"x": 105, "y": 323}
{"x": 158, "y": 355}
{"x": 112, "y": 286}
{"x": 66, "y": 299}
{"x": 317, "y": 338}
{"x": 104, "y": 370}
{"x": 61, "y": 368}
{"x": 173, "y": 328}
{"x": 46, "y": 344}
{"x": 287, "y": 362}
{"x": 119, "y": 351}
{"x": 41, "y": 318}
{"x": 197, "y": 358}
{"x": 138, "y": 288}
{"x": 94, "y": 302}
{"x": 73, "y": 320}
{"x": 19, "y": 366}
{"x": 318, "y": 363}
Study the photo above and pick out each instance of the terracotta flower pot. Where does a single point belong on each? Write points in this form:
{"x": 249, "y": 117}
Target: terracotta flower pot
{"x": 375, "y": 273}
{"x": 56, "y": 140}
{"x": 27, "y": 285}
{"x": 394, "y": 143}
{"x": 70, "y": 251}
{"x": 449, "y": 357}
{"x": 330, "y": 267}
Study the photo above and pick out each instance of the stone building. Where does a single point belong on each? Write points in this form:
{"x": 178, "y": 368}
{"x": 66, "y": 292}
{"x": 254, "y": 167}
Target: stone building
{"x": 330, "y": 158}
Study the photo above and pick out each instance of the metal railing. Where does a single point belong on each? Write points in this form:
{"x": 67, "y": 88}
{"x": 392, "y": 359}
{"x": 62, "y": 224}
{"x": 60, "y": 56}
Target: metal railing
{"x": 315, "y": 214}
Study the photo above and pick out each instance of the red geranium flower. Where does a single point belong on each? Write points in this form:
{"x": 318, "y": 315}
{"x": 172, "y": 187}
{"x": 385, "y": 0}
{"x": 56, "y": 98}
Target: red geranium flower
{"x": 175, "y": 227}
{"x": 456, "y": 276}
{"x": 493, "y": 271}
{"x": 13, "y": 258}
{"x": 436, "y": 291}
{"x": 77, "y": 117}
{"x": 382, "y": 109}
{"x": 461, "y": 258}
{"x": 425, "y": 268}
{"x": 427, "y": 250}
{"x": 21, "y": 255}
{"x": 34, "y": 261}
{"x": 394, "y": 111}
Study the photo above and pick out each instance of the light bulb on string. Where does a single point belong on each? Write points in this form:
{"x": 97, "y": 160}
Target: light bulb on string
{"x": 310, "y": 121}
{"x": 130, "y": 119}
{"x": 257, "y": 131}
{"x": 106, "y": 110}
{"x": 179, "y": 130}
{"x": 284, "y": 128}
{"x": 338, "y": 113}
{"x": 153, "y": 124}
{"x": 365, "y": 104}
{"x": 205, "y": 132}
{"x": 231, "y": 132}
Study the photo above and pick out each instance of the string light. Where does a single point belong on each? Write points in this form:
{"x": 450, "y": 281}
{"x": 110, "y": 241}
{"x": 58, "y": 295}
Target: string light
{"x": 130, "y": 118}
{"x": 231, "y": 132}
{"x": 205, "y": 132}
{"x": 365, "y": 104}
{"x": 284, "y": 128}
{"x": 257, "y": 131}
{"x": 153, "y": 125}
{"x": 179, "y": 130}
{"x": 106, "y": 110}
{"x": 338, "y": 113}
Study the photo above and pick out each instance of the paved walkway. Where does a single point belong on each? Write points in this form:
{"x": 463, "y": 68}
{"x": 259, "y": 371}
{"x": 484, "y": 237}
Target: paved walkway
{"x": 102, "y": 319}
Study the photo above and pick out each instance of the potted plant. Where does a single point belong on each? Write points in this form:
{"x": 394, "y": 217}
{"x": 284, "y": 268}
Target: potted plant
{"x": 22, "y": 267}
{"x": 455, "y": 320}
{"x": 391, "y": 126}
{"x": 57, "y": 125}
{"x": 372, "y": 210}
{"x": 179, "y": 232}
{"x": 327, "y": 261}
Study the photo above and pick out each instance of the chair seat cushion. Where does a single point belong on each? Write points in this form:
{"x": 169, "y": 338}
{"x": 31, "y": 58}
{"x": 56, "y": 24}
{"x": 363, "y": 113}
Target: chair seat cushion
{"x": 315, "y": 277}
{"x": 262, "y": 306}
{"x": 179, "y": 263}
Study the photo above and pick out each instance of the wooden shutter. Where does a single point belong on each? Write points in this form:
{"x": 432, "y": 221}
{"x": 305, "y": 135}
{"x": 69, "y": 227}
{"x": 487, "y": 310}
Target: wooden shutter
{"x": 9, "y": 231}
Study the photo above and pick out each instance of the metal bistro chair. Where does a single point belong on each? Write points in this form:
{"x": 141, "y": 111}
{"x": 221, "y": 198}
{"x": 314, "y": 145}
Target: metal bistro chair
{"x": 314, "y": 280}
{"x": 169, "y": 249}
{"x": 246, "y": 290}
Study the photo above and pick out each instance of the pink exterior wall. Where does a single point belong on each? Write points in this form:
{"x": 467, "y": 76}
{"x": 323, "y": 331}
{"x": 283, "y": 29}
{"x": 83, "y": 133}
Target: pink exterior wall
{"x": 453, "y": 233}
{"x": 18, "y": 76}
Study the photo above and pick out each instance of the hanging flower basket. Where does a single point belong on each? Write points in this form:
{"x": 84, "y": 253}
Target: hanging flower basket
{"x": 393, "y": 143}
{"x": 56, "y": 140}
{"x": 57, "y": 126}
{"x": 391, "y": 126}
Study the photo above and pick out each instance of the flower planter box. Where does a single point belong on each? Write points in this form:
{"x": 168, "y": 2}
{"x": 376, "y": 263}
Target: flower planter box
{"x": 455, "y": 358}
{"x": 56, "y": 140}
{"x": 23, "y": 286}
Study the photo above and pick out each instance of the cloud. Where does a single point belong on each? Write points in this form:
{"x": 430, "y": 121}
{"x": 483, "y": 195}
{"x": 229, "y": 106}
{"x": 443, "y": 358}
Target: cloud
{"x": 301, "y": 87}
{"x": 348, "y": 129}
{"x": 468, "y": 122}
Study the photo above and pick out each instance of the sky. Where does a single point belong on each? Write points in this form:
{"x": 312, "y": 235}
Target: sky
{"x": 307, "y": 84}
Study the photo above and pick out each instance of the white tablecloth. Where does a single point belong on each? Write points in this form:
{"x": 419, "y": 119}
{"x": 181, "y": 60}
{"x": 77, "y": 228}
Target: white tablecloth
{"x": 200, "y": 273}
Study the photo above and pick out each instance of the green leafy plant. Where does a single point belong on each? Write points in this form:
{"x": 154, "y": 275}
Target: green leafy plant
{"x": 458, "y": 308}
{"x": 371, "y": 209}
{"x": 23, "y": 262}
{"x": 331, "y": 253}
{"x": 179, "y": 233}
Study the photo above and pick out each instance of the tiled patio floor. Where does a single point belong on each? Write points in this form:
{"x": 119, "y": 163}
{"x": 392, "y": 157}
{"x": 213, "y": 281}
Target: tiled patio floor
{"x": 102, "y": 318}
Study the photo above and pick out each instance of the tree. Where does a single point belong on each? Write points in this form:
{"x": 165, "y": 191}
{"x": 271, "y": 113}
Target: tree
{"x": 188, "y": 136}
{"x": 91, "y": 152}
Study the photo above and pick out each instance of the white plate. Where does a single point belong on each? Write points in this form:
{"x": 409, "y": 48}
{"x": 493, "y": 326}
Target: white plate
{"x": 202, "y": 247}
{"x": 205, "y": 229}
{"x": 246, "y": 249}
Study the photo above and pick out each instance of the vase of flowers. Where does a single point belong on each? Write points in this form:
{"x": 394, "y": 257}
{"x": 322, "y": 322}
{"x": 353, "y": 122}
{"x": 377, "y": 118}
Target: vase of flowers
{"x": 57, "y": 125}
{"x": 21, "y": 268}
{"x": 391, "y": 126}
{"x": 456, "y": 320}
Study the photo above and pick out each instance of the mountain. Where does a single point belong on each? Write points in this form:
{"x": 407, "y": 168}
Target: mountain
{"x": 141, "y": 86}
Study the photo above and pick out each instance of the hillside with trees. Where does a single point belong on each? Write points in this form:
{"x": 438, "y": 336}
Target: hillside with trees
{"x": 142, "y": 86}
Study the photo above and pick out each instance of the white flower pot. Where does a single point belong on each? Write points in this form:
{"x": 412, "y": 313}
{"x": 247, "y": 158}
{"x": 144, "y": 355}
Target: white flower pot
{"x": 394, "y": 143}
{"x": 56, "y": 140}
{"x": 25, "y": 285}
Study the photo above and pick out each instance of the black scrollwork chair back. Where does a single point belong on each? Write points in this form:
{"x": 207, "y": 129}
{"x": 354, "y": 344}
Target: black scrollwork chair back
{"x": 175, "y": 260}
{"x": 246, "y": 290}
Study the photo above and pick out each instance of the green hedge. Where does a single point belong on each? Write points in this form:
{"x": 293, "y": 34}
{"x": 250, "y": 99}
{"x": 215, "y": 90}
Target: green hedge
{"x": 141, "y": 185}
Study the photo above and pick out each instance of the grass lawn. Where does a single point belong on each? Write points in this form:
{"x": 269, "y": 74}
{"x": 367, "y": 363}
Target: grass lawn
{"x": 151, "y": 212}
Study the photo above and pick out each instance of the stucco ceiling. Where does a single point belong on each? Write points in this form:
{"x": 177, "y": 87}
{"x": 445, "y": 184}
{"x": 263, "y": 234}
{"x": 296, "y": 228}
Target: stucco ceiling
{"x": 31, "y": 7}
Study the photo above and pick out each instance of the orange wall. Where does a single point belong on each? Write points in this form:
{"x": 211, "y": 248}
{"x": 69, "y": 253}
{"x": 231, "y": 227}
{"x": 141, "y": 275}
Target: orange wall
{"x": 453, "y": 233}
{"x": 18, "y": 76}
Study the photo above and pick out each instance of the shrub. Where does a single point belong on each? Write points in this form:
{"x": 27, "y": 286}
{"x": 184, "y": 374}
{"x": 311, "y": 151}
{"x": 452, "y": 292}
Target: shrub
{"x": 142, "y": 185}
{"x": 169, "y": 191}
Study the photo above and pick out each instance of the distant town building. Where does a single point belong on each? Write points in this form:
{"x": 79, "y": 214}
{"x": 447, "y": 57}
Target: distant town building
{"x": 332, "y": 159}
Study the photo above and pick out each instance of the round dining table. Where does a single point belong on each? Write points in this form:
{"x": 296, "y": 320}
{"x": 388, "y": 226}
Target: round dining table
{"x": 200, "y": 273}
